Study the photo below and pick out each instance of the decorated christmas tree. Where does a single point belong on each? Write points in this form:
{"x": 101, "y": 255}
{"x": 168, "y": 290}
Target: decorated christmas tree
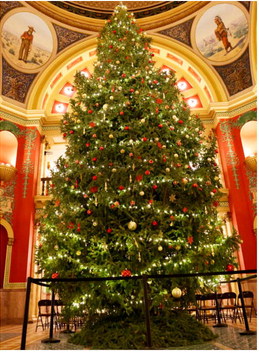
{"x": 137, "y": 190}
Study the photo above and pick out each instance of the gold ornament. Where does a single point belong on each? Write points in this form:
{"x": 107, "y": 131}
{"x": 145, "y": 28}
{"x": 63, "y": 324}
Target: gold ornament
{"x": 172, "y": 198}
{"x": 251, "y": 163}
{"x": 160, "y": 248}
{"x": 176, "y": 292}
{"x": 78, "y": 253}
{"x": 132, "y": 225}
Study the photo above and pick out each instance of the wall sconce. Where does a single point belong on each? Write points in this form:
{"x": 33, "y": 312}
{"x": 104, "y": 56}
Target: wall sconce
{"x": 251, "y": 163}
{"x": 7, "y": 172}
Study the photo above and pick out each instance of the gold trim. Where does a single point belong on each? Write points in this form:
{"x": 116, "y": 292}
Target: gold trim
{"x": 95, "y": 25}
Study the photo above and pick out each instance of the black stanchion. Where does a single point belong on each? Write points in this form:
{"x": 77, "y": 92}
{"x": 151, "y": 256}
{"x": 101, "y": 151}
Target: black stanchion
{"x": 26, "y": 313}
{"x": 147, "y": 313}
{"x": 50, "y": 339}
{"x": 247, "y": 330}
{"x": 219, "y": 324}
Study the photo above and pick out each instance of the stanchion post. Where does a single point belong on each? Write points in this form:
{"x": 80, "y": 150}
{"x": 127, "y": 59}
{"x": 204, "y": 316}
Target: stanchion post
{"x": 26, "y": 313}
{"x": 247, "y": 330}
{"x": 51, "y": 339}
{"x": 147, "y": 312}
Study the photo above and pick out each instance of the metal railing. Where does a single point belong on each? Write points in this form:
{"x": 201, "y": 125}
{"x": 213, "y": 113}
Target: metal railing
{"x": 144, "y": 278}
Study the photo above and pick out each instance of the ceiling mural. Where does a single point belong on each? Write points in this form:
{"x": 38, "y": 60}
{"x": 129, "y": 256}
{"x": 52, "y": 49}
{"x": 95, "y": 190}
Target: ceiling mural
{"x": 26, "y": 41}
{"x": 221, "y": 33}
{"x": 214, "y": 33}
{"x": 103, "y": 9}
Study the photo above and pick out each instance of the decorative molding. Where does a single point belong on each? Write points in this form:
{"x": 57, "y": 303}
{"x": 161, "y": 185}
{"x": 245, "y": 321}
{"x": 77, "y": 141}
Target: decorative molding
{"x": 67, "y": 37}
{"x": 236, "y": 111}
{"x": 181, "y": 32}
{"x": 28, "y": 166}
{"x": 6, "y": 6}
{"x": 236, "y": 76}
{"x": 232, "y": 158}
{"x": 104, "y": 14}
{"x": 15, "y": 84}
{"x": 19, "y": 120}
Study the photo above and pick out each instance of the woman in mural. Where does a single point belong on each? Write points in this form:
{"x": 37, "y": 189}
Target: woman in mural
{"x": 221, "y": 33}
{"x": 25, "y": 47}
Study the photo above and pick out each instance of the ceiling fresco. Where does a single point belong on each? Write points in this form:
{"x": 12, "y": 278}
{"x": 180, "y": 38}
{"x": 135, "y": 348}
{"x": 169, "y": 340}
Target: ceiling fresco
{"x": 104, "y": 9}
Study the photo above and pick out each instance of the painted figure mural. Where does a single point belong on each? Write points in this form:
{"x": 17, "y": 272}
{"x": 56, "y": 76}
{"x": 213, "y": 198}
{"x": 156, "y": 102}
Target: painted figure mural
{"x": 27, "y": 38}
{"x": 221, "y": 33}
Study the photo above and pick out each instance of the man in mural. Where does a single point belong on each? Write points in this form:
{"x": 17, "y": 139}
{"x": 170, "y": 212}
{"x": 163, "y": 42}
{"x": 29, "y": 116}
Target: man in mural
{"x": 25, "y": 47}
{"x": 221, "y": 33}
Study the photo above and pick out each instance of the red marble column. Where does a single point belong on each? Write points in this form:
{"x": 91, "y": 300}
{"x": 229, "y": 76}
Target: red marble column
{"x": 238, "y": 180}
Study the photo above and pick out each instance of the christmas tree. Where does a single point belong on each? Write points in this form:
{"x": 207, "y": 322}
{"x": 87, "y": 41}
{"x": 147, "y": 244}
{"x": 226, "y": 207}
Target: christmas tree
{"x": 137, "y": 190}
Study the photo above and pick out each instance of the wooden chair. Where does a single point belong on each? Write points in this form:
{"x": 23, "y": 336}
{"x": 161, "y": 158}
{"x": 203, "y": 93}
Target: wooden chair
{"x": 207, "y": 307}
{"x": 249, "y": 304}
{"x": 228, "y": 305}
{"x": 44, "y": 313}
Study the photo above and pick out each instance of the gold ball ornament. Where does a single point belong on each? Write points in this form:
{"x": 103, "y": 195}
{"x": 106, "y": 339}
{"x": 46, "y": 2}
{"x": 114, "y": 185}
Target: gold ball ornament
{"x": 251, "y": 163}
{"x": 141, "y": 193}
{"x": 111, "y": 136}
{"x": 132, "y": 225}
{"x": 78, "y": 253}
{"x": 176, "y": 292}
{"x": 160, "y": 248}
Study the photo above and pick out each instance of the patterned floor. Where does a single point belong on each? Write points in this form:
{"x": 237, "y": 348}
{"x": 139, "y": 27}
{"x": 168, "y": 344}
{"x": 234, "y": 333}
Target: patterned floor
{"x": 228, "y": 339}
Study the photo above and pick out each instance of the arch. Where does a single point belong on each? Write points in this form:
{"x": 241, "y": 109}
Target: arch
{"x": 8, "y": 255}
{"x": 3, "y": 251}
{"x": 83, "y": 53}
{"x": 8, "y": 148}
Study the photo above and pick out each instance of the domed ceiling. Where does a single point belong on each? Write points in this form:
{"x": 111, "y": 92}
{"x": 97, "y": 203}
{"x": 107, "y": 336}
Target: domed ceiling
{"x": 103, "y": 9}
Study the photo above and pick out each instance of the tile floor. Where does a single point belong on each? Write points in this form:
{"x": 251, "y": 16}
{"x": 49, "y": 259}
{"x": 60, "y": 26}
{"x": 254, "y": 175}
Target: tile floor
{"x": 228, "y": 339}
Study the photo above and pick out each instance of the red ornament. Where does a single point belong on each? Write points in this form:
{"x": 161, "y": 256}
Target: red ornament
{"x": 160, "y": 126}
{"x": 126, "y": 127}
{"x": 95, "y": 177}
{"x": 190, "y": 240}
{"x": 180, "y": 121}
{"x": 92, "y": 124}
{"x": 109, "y": 230}
{"x": 214, "y": 190}
{"x": 147, "y": 172}
{"x": 126, "y": 273}
{"x": 150, "y": 161}
{"x": 229, "y": 267}
{"x": 65, "y": 134}
{"x": 110, "y": 46}
{"x": 154, "y": 187}
{"x": 101, "y": 148}
{"x": 121, "y": 187}
{"x": 87, "y": 144}
{"x": 150, "y": 201}
{"x": 154, "y": 223}
{"x": 94, "y": 136}
{"x": 89, "y": 212}
{"x": 159, "y": 101}
{"x": 55, "y": 275}
{"x": 195, "y": 185}
{"x": 185, "y": 209}
{"x": 123, "y": 75}
{"x": 94, "y": 189}
{"x": 139, "y": 177}
{"x": 90, "y": 111}
{"x": 79, "y": 227}
{"x": 121, "y": 113}
{"x": 94, "y": 159}
{"x": 159, "y": 145}
{"x": 144, "y": 139}
{"x": 71, "y": 132}
{"x": 132, "y": 90}
{"x": 132, "y": 203}
{"x": 155, "y": 81}
{"x": 131, "y": 154}
{"x": 215, "y": 203}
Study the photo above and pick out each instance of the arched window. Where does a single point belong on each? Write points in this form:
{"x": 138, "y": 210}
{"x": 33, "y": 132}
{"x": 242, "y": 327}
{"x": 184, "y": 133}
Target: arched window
{"x": 3, "y": 247}
{"x": 248, "y": 136}
{"x": 8, "y": 148}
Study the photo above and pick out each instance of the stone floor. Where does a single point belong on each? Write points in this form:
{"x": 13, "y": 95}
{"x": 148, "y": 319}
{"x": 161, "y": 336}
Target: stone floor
{"x": 228, "y": 339}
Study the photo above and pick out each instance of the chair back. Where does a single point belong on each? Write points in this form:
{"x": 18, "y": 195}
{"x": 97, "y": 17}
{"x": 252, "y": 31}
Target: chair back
{"x": 44, "y": 306}
{"x": 228, "y": 298}
{"x": 248, "y": 297}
